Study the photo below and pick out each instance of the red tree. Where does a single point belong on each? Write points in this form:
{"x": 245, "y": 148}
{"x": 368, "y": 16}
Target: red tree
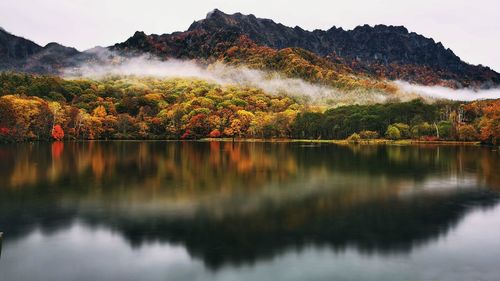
{"x": 186, "y": 135}
{"x": 215, "y": 134}
{"x": 57, "y": 133}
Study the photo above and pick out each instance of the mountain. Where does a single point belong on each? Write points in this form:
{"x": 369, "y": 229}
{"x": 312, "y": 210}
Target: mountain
{"x": 369, "y": 53}
{"x": 384, "y": 51}
{"x": 20, "y": 54}
{"x": 14, "y": 49}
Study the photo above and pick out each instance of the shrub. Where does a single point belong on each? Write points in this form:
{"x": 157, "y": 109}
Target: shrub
{"x": 368, "y": 135}
{"x": 187, "y": 135}
{"x": 354, "y": 138}
{"x": 430, "y": 138}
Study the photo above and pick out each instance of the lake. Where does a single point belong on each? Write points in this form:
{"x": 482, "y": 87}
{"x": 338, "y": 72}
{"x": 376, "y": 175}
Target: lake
{"x": 184, "y": 211}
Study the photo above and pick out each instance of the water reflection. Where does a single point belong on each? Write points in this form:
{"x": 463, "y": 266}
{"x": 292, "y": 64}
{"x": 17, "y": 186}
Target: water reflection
{"x": 238, "y": 203}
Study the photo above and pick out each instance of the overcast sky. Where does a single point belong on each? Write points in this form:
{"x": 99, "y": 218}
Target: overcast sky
{"x": 470, "y": 28}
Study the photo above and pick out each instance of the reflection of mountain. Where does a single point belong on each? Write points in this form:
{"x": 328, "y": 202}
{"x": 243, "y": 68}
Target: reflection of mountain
{"x": 384, "y": 227}
{"x": 239, "y": 203}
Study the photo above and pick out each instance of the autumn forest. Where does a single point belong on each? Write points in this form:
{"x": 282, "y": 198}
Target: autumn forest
{"x": 38, "y": 107}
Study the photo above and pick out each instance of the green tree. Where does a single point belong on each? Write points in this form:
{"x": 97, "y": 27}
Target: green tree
{"x": 393, "y": 133}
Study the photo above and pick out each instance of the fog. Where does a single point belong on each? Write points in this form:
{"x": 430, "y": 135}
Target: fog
{"x": 437, "y": 92}
{"x": 110, "y": 64}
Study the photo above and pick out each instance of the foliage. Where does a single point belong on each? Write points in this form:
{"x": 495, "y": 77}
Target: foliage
{"x": 34, "y": 107}
{"x": 445, "y": 129}
{"x": 57, "y": 133}
{"x": 341, "y": 122}
{"x": 467, "y": 133}
{"x": 393, "y": 133}
{"x": 422, "y": 130}
{"x": 368, "y": 135}
{"x": 299, "y": 63}
{"x": 404, "y": 130}
{"x": 139, "y": 108}
{"x": 354, "y": 138}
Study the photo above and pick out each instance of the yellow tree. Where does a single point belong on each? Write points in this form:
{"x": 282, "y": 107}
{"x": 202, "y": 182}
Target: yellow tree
{"x": 234, "y": 129}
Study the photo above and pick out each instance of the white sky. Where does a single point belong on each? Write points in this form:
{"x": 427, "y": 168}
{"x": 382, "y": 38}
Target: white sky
{"x": 471, "y": 28}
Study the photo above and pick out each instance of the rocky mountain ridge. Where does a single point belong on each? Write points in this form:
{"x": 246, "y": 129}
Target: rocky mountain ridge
{"x": 381, "y": 52}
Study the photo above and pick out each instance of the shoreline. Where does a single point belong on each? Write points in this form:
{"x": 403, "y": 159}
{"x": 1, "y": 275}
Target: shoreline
{"x": 254, "y": 140}
{"x": 346, "y": 142}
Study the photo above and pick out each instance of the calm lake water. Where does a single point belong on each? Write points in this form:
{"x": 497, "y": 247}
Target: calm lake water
{"x": 248, "y": 211}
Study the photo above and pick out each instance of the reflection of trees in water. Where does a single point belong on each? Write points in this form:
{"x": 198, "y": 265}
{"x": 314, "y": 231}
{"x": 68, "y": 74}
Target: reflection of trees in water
{"x": 195, "y": 166}
{"x": 352, "y": 199}
{"x": 191, "y": 166}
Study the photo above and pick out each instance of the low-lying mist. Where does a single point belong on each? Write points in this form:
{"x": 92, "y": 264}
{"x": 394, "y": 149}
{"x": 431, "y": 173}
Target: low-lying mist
{"x": 437, "y": 92}
{"x": 225, "y": 75}
{"x": 111, "y": 64}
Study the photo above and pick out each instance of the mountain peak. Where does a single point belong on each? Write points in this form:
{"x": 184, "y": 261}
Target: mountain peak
{"x": 139, "y": 34}
{"x": 53, "y": 45}
{"x": 216, "y": 20}
{"x": 214, "y": 13}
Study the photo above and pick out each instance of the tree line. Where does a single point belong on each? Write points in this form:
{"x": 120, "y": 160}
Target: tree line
{"x": 46, "y": 107}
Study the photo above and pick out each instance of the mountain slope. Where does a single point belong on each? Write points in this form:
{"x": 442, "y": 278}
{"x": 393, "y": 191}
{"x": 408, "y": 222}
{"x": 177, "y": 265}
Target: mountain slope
{"x": 14, "y": 49}
{"x": 388, "y": 50}
{"x": 384, "y": 51}
{"x": 19, "y": 54}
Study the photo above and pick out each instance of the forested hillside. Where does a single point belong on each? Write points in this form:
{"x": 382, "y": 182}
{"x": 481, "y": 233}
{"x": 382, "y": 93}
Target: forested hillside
{"x": 48, "y": 107}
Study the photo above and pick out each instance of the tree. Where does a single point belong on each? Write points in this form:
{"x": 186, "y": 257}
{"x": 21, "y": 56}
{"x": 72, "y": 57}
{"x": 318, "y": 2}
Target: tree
{"x": 99, "y": 112}
{"x": 393, "y": 133}
{"x": 7, "y": 120}
{"x": 308, "y": 125}
{"x": 198, "y": 126}
{"x": 445, "y": 129}
{"x": 467, "y": 133}
{"x": 215, "y": 134}
{"x": 404, "y": 130}
{"x": 234, "y": 129}
{"x": 126, "y": 126}
{"x": 490, "y": 130}
{"x": 57, "y": 133}
{"x": 422, "y": 129}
